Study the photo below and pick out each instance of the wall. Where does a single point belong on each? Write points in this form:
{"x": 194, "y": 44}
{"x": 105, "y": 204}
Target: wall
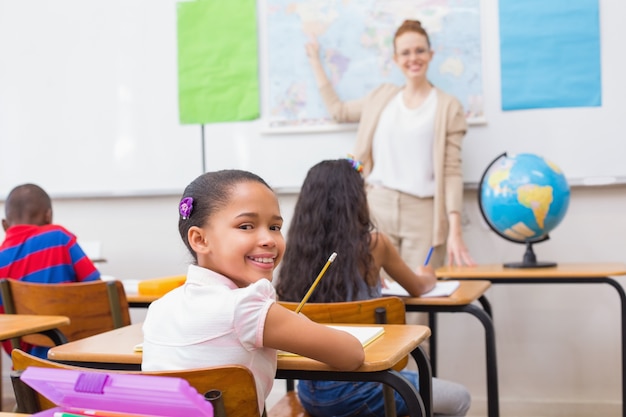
{"x": 92, "y": 86}
{"x": 89, "y": 99}
{"x": 558, "y": 346}
{"x": 581, "y": 141}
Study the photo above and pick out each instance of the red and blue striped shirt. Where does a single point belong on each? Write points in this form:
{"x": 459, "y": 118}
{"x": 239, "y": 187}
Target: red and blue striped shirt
{"x": 44, "y": 254}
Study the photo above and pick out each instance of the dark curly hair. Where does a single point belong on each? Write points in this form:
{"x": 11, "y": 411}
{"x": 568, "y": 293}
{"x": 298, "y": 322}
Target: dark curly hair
{"x": 331, "y": 215}
{"x": 210, "y": 192}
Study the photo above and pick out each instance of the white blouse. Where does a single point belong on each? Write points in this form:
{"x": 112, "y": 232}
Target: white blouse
{"x": 403, "y": 147}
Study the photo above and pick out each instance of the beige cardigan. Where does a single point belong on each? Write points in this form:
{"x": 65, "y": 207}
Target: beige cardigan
{"x": 450, "y": 128}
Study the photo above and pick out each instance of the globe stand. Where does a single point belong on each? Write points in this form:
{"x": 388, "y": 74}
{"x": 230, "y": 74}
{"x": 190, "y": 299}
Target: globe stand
{"x": 529, "y": 260}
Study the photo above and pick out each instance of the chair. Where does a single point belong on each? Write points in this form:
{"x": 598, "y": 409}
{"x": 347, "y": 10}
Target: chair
{"x": 93, "y": 307}
{"x": 389, "y": 310}
{"x": 236, "y": 383}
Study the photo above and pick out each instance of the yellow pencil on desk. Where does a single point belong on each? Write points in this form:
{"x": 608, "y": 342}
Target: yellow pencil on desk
{"x": 317, "y": 280}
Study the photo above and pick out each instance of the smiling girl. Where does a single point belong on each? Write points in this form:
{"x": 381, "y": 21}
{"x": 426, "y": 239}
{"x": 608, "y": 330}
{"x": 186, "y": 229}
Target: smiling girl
{"x": 226, "y": 312}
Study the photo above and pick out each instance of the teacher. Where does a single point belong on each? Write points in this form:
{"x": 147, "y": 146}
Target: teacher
{"x": 409, "y": 141}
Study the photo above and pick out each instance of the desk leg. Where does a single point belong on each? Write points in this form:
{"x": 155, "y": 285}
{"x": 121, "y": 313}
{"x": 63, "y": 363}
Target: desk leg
{"x": 432, "y": 324}
{"x": 392, "y": 378}
{"x": 493, "y": 402}
{"x": 582, "y": 280}
{"x": 486, "y": 305}
{"x": 622, "y": 299}
{"x": 425, "y": 379}
{"x": 390, "y": 401}
{"x": 56, "y": 335}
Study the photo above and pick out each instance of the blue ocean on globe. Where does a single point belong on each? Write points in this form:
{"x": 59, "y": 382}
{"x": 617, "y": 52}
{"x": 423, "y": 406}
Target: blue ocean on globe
{"x": 523, "y": 197}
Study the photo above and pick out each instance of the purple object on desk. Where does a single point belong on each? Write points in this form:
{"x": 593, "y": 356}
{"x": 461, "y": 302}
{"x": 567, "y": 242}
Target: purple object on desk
{"x": 139, "y": 394}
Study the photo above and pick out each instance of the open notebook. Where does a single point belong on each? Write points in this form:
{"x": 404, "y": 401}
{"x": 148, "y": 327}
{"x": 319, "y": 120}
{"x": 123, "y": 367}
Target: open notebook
{"x": 442, "y": 289}
{"x": 365, "y": 334}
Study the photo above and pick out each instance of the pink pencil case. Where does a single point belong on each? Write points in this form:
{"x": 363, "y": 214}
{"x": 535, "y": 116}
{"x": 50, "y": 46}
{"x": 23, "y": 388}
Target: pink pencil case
{"x": 123, "y": 393}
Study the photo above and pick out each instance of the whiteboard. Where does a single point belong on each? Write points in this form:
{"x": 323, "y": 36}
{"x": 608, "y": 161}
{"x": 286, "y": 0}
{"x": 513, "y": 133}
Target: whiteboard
{"x": 88, "y": 99}
{"x": 88, "y": 106}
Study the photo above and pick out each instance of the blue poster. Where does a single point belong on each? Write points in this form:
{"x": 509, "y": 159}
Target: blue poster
{"x": 550, "y": 54}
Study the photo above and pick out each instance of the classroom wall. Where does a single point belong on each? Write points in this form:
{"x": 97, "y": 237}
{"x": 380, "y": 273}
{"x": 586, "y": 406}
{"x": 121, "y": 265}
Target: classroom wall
{"x": 558, "y": 346}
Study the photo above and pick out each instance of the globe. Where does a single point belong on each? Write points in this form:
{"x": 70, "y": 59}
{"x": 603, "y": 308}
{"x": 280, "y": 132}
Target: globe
{"x": 523, "y": 198}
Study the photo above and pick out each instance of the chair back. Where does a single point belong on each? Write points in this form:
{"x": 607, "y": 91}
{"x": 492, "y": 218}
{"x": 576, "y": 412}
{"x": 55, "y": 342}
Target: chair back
{"x": 389, "y": 310}
{"x": 93, "y": 307}
{"x": 358, "y": 312}
{"x": 235, "y": 382}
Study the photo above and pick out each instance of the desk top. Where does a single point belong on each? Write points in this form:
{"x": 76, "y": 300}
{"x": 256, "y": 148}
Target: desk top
{"x": 562, "y": 270}
{"x": 138, "y": 298}
{"x": 468, "y": 292}
{"x": 16, "y": 325}
{"x": 116, "y": 346}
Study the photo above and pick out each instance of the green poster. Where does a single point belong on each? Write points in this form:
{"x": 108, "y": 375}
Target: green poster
{"x": 217, "y": 61}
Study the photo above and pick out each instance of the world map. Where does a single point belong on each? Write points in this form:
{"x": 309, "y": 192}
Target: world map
{"x": 356, "y": 47}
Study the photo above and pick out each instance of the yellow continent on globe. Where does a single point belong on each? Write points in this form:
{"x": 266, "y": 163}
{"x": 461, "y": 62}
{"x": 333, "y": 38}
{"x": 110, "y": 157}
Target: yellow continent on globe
{"x": 538, "y": 199}
{"x": 496, "y": 179}
{"x": 519, "y": 231}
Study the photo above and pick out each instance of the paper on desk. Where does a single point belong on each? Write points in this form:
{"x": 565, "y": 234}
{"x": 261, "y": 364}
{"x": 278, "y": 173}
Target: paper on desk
{"x": 442, "y": 289}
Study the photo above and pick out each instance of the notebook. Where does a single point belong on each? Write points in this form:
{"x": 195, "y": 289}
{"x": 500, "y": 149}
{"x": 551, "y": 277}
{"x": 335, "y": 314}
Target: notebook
{"x": 365, "y": 334}
{"x": 442, "y": 289}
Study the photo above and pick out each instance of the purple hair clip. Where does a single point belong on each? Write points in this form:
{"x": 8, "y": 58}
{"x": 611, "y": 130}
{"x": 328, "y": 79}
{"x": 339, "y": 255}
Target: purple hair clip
{"x": 356, "y": 164}
{"x": 185, "y": 207}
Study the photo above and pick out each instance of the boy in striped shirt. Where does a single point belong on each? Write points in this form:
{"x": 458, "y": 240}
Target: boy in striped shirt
{"x": 34, "y": 249}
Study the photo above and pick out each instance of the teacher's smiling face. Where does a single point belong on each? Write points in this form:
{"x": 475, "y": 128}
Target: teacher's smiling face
{"x": 412, "y": 55}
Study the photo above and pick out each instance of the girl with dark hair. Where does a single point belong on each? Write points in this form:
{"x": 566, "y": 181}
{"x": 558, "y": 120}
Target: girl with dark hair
{"x": 331, "y": 215}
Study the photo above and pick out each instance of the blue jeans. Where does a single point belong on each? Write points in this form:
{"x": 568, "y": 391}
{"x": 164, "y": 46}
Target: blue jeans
{"x": 39, "y": 351}
{"x": 348, "y": 399}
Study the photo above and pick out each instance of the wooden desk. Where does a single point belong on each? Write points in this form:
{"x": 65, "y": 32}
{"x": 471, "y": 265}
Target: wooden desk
{"x": 17, "y": 325}
{"x": 564, "y": 273}
{"x": 461, "y": 301}
{"x": 140, "y": 301}
{"x": 114, "y": 350}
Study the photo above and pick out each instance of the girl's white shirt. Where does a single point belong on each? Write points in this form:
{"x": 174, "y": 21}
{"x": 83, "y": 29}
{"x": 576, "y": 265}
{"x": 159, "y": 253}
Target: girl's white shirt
{"x": 209, "y": 321}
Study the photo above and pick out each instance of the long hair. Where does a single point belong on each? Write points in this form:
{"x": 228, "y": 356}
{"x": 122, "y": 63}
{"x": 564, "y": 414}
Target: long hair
{"x": 331, "y": 215}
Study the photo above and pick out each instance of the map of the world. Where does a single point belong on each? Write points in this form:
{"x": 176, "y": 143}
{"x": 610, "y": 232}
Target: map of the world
{"x": 356, "y": 47}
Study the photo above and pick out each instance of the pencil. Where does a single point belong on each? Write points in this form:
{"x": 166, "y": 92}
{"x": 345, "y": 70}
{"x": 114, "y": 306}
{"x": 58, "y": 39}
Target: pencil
{"x": 430, "y": 253}
{"x": 317, "y": 280}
